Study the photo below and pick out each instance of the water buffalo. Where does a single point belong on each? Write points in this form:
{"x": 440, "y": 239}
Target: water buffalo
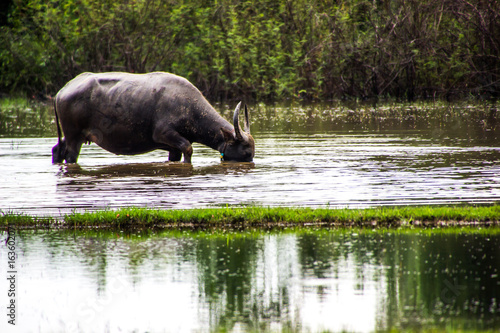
{"x": 130, "y": 114}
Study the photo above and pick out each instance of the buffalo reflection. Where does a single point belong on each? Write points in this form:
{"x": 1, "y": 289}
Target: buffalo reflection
{"x": 168, "y": 169}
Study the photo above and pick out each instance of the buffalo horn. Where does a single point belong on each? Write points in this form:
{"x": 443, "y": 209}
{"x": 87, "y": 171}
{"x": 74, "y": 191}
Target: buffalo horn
{"x": 236, "y": 123}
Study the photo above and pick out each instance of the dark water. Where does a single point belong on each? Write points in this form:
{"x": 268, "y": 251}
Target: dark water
{"x": 310, "y": 281}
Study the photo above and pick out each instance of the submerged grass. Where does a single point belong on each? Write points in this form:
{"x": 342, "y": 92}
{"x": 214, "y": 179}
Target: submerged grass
{"x": 266, "y": 217}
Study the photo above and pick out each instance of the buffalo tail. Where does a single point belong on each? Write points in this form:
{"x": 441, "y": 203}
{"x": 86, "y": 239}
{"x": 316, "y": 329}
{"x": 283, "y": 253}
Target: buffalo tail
{"x": 58, "y": 126}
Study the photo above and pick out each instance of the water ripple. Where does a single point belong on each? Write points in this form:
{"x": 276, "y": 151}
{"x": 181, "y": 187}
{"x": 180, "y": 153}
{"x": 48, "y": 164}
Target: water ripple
{"x": 336, "y": 169}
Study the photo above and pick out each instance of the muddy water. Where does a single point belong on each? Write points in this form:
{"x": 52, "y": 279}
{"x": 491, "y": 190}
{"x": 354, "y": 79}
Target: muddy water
{"x": 301, "y": 169}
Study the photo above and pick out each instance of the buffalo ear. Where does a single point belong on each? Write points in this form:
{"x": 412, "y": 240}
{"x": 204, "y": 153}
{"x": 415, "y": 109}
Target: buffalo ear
{"x": 228, "y": 134}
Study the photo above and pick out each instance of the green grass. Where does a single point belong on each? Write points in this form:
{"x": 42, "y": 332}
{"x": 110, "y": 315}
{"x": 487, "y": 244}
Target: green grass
{"x": 262, "y": 217}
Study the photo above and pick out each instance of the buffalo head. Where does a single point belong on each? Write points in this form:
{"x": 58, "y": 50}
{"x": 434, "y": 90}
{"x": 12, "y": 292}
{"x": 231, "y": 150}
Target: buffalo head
{"x": 239, "y": 145}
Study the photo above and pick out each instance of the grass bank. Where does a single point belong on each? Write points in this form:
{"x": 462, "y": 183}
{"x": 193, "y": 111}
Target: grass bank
{"x": 265, "y": 217}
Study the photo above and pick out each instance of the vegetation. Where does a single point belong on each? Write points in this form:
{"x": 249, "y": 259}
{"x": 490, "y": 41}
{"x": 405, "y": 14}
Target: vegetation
{"x": 22, "y": 117}
{"x": 248, "y": 217}
{"x": 263, "y": 50}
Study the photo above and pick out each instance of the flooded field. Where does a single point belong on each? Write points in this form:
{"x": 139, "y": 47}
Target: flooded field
{"x": 308, "y": 157}
{"x": 300, "y": 281}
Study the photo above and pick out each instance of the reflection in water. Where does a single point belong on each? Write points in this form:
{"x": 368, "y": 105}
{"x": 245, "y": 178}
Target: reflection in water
{"x": 299, "y": 281}
{"x": 147, "y": 184}
{"x": 154, "y": 169}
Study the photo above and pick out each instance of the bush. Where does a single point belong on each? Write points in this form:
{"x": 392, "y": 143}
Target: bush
{"x": 270, "y": 49}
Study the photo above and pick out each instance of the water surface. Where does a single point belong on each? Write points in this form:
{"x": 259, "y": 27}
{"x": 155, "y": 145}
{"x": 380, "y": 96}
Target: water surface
{"x": 311, "y": 281}
{"x": 342, "y": 168}
{"x": 330, "y": 154}
{"x": 302, "y": 280}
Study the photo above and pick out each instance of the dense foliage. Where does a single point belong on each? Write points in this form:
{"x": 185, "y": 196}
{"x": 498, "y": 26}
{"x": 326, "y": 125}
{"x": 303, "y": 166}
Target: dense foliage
{"x": 265, "y": 49}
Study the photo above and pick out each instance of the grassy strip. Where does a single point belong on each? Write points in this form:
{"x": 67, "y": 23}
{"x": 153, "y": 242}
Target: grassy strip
{"x": 263, "y": 217}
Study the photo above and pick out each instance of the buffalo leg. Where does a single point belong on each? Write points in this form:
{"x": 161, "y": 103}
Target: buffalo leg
{"x": 177, "y": 142}
{"x": 73, "y": 150}
{"x": 187, "y": 154}
{"x": 174, "y": 155}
